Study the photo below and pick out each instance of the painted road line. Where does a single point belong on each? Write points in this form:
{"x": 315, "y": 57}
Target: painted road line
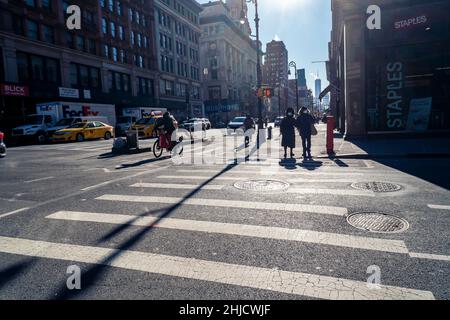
{"x": 276, "y": 233}
{"x": 177, "y": 186}
{"x": 281, "y": 171}
{"x": 300, "y": 180}
{"x": 429, "y": 256}
{"x": 341, "y": 192}
{"x": 302, "y": 284}
{"x": 439, "y": 207}
{"x": 273, "y": 206}
{"x": 124, "y": 178}
{"x": 40, "y": 179}
{"x": 13, "y": 212}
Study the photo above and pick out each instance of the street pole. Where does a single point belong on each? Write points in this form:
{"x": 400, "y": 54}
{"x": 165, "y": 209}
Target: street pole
{"x": 258, "y": 73}
{"x": 294, "y": 65}
{"x": 279, "y": 101}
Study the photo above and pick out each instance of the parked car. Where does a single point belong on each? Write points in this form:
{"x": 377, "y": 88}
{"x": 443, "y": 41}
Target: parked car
{"x": 2, "y": 146}
{"x": 235, "y": 124}
{"x": 277, "y": 121}
{"x": 83, "y": 131}
{"x": 190, "y": 123}
{"x": 67, "y": 122}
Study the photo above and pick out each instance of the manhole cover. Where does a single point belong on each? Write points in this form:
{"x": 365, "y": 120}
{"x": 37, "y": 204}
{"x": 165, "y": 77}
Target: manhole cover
{"x": 261, "y": 185}
{"x": 377, "y": 186}
{"x": 377, "y": 222}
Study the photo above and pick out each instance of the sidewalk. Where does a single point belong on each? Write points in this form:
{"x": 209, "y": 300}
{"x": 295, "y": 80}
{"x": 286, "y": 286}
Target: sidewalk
{"x": 379, "y": 148}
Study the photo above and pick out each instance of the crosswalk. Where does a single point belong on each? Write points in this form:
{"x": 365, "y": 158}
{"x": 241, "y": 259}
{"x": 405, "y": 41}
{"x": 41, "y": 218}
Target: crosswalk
{"x": 209, "y": 197}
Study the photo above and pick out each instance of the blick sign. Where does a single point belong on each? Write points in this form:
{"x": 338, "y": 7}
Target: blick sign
{"x": 13, "y": 90}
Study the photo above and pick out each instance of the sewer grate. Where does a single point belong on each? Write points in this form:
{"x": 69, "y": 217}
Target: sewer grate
{"x": 261, "y": 185}
{"x": 376, "y": 186}
{"x": 377, "y": 222}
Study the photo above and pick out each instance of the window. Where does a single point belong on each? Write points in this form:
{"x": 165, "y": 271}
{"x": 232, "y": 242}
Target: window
{"x": 80, "y": 43}
{"x": 37, "y": 68}
{"x": 17, "y": 24}
{"x": 32, "y": 30}
{"x": 145, "y": 87}
{"x": 166, "y": 87}
{"x": 119, "y": 7}
{"x": 114, "y": 54}
{"x": 113, "y": 29}
{"x": 92, "y": 46}
{"x": 111, "y": 5}
{"x": 31, "y": 3}
{"x": 121, "y": 33}
{"x": 119, "y": 81}
{"x": 104, "y": 26}
{"x": 84, "y": 76}
{"x": 49, "y": 35}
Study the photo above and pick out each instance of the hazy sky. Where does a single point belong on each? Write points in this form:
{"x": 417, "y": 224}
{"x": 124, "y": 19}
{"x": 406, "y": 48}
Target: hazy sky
{"x": 303, "y": 25}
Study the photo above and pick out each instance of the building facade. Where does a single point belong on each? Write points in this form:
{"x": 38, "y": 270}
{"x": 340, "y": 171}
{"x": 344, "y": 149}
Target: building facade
{"x": 275, "y": 69}
{"x": 111, "y": 59}
{"x": 395, "y": 80}
{"x": 177, "y": 30}
{"x": 228, "y": 57}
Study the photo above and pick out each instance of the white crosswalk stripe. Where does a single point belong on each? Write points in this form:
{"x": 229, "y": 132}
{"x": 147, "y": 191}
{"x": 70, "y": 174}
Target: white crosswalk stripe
{"x": 340, "y": 192}
{"x": 274, "y": 206}
{"x": 302, "y": 284}
{"x": 439, "y": 207}
{"x": 294, "y": 180}
{"x": 324, "y": 238}
{"x": 280, "y": 171}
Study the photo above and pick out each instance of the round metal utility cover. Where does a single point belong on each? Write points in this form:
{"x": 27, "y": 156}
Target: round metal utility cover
{"x": 261, "y": 185}
{"x": 377, "y": 222}
{"x": 377, "y": 186}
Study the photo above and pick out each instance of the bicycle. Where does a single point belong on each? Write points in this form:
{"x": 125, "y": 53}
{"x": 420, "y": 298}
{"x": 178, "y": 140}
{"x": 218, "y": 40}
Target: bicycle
{"x": 164, "y": 142}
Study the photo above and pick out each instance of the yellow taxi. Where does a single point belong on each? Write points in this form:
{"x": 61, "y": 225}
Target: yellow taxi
{"x": 84, "y": 131}
{"x": 145, "y": 126}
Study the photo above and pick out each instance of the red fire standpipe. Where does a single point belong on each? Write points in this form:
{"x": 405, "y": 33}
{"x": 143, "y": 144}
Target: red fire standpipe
{"x": 330, "y": 134}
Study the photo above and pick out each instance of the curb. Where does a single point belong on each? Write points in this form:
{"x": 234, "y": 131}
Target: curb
{"x": 386, "y": 156}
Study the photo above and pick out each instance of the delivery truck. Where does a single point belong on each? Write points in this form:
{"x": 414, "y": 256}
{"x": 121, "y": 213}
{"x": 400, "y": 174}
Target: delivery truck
{"x": 36, "y": 126}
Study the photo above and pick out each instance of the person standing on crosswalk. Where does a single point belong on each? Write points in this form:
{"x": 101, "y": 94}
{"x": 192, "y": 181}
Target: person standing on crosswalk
{"x": 304, "y": 123}
{"x": 287, "y": 130}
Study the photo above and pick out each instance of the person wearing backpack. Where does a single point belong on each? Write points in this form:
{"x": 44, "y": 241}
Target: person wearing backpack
{"x": 305, "y": 125}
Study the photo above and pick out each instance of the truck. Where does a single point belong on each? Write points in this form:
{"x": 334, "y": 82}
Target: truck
{"x": 37, "y": 126}
{"x": 131, "y": 115}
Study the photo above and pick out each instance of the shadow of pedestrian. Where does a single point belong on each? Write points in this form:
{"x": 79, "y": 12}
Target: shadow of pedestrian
{"x": 310, "y": 164}
{"x": 141, "y": 163}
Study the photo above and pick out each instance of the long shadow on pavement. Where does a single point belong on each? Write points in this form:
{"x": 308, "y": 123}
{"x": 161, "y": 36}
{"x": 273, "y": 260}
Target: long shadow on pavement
{"x": 91, "y": 275}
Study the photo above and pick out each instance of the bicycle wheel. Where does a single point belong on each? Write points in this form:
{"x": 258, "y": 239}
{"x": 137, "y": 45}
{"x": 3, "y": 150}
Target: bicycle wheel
{"x": 157, "y": 150}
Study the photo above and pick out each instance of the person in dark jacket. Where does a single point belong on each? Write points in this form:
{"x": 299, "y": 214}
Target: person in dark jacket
{"x": 287, "y": 129}
{"x": 249, "y": 124}
{"x": 304, "y": 123}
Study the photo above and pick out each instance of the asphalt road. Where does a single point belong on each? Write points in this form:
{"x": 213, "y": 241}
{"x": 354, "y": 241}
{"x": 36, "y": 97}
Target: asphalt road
{"x": 145, "y": 228}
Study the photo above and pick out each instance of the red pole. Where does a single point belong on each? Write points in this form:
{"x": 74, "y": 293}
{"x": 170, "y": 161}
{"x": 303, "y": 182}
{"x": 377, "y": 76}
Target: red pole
{"x": 330, "y": 134}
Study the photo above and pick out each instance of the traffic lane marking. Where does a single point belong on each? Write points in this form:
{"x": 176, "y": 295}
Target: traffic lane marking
{"x": 181, "y": 177}
{"x": 13, "y": 212}
{"x": 275, "y": 206}
{"x": 277, "y": 233}
{"x": 177, "y": 186}
{"x": 302, "y": 284}
{"x": 37, "y": 180}
{"x": 439, "y": 207}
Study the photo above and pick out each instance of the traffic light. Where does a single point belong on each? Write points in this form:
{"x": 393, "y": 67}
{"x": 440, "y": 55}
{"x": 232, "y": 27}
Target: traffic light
{"x": 265, "y": 92}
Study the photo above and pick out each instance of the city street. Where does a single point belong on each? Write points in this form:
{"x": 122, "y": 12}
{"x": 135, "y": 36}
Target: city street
{"x": 217, "y": 223}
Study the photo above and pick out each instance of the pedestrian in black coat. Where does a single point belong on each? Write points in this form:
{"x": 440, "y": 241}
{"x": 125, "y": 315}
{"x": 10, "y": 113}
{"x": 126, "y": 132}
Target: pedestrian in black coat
{"x": 287, "y": 129}
{"x": 304, "y": 123}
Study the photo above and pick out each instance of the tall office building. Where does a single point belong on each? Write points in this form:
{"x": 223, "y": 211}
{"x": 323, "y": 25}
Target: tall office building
{"x": 318, "y": 87}
{"x": 178, "y": 52}
{"x": 301, "y": 73}
{"x": 275, "y": 69}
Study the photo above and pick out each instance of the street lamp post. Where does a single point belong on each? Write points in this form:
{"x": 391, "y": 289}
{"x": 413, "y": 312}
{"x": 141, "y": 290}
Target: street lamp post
{"x": 292, "y": 64}
{"x": 258, "y": 62}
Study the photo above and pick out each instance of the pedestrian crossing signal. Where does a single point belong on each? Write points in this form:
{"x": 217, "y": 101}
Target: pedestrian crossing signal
{"x": 265, "y": 92}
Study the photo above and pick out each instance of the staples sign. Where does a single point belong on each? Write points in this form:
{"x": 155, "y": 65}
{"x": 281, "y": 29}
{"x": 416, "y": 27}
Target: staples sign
{"x": 13, "y": 90}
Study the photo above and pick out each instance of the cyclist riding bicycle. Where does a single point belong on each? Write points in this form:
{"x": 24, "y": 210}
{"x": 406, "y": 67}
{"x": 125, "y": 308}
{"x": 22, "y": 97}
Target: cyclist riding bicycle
{"x": 166, "y": 123}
